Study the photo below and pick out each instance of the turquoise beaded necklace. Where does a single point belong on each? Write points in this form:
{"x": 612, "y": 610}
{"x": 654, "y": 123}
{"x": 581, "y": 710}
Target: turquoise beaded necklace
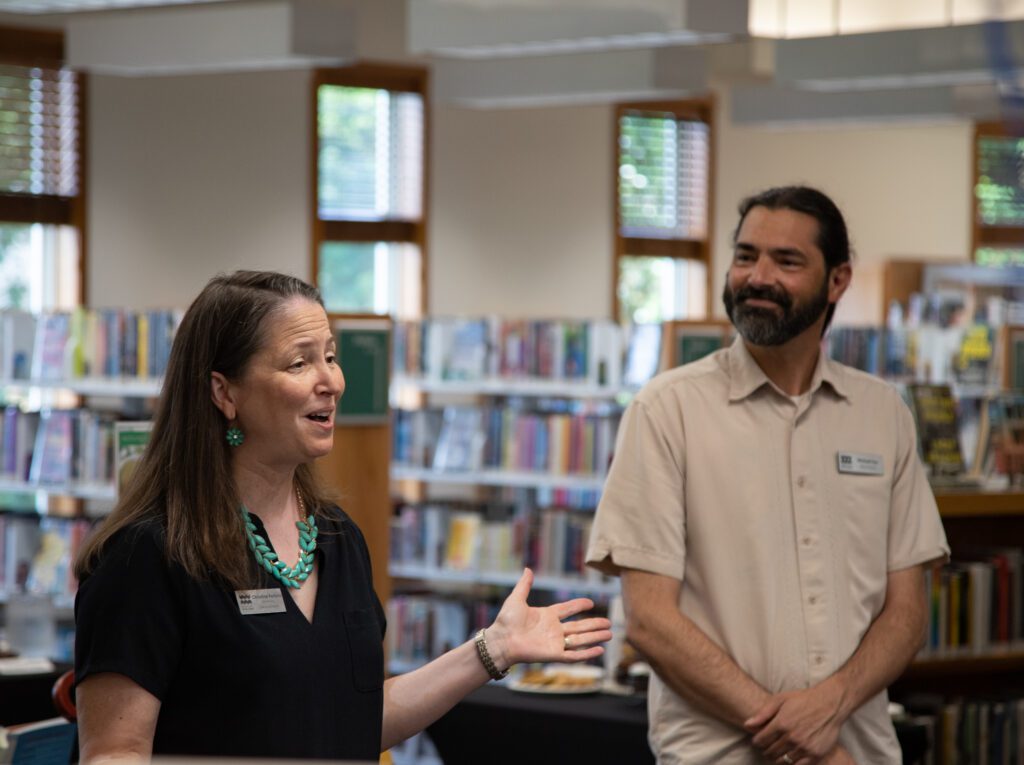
{"x": 267, "y": 558}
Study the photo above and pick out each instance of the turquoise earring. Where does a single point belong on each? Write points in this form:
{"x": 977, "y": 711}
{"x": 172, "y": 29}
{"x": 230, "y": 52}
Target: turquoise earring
{"x": 235, "y": 436}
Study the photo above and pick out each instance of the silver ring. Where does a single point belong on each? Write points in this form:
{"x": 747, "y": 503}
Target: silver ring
{"x": 567, "y": 641}
{"x": 787, "y": 759}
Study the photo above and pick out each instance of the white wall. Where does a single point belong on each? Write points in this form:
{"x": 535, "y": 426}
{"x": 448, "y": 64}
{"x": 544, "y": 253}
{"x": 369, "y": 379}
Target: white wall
{"x": 193, "y": 175}
{"x": 905, "y": 192}
{"x": 521, "y": 212}
{"x": 205, "y": 173}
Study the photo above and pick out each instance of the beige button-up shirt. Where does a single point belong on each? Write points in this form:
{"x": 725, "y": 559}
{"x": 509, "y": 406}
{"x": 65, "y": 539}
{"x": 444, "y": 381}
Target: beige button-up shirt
{"x": 724, "y": 482}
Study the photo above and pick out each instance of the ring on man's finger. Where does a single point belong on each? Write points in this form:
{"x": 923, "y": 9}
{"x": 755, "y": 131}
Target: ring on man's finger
{"x": 787, "y": 759}
{"x": 567, "y": 641}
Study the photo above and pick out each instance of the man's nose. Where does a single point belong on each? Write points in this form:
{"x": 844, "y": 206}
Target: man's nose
{"x": 763, "y": 271}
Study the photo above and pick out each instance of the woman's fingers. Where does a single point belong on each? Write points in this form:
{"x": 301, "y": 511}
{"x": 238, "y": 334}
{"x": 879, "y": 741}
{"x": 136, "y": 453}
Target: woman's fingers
{"x": 572, "y": 607}
{"x": 579, "y": 626}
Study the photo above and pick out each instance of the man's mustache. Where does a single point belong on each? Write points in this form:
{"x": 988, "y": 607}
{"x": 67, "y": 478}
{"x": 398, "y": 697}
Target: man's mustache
{"x": 774, "y": 294}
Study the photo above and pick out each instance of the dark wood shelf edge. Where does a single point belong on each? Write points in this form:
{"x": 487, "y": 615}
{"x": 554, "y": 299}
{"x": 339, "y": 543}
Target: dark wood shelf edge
{"x": 1011, "y": 660}
{"x": 967, "y": 504}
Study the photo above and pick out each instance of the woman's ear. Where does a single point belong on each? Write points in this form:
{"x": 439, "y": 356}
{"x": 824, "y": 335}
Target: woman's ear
{"x": 221, "y": 395}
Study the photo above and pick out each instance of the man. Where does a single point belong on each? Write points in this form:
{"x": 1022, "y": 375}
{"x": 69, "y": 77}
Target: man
{"x": 771, "y": 521}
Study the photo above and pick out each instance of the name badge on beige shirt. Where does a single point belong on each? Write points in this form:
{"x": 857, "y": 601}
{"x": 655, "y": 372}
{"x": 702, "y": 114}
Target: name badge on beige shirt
{"x": 260, "y": 602}
{"x": 860, "y": 464}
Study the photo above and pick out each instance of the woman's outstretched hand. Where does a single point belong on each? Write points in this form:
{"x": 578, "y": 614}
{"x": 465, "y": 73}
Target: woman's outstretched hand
{"x": 524, "y": 633}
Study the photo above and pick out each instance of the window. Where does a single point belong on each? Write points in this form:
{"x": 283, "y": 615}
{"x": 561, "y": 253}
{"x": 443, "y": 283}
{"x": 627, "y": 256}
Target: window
{"x": 369, "y": 231}
{"x": 41, "y": 195}
{"x": 998, "y": 226}
{"x": 662, "y": 211}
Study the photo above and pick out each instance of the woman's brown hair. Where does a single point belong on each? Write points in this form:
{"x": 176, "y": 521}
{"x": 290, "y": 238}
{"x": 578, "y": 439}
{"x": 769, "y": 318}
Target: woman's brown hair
{"x": 184, "y": 479}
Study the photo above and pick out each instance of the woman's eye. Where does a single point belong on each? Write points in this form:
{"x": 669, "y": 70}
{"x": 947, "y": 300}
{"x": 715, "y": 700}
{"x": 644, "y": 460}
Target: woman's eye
{"x": 332, "y": 359}
{"x": 298, "y": 364}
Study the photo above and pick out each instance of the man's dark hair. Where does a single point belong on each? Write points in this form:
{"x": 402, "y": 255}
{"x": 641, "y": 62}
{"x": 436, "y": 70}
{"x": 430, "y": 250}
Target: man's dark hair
{"x": 833, "y": 239}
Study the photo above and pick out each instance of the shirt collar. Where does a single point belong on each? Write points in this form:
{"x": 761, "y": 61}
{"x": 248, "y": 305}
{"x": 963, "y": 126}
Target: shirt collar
{"x": 746, "y": 377}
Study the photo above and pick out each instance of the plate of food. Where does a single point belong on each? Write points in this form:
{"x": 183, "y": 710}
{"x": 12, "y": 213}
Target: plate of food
{"x": 558, "y": 679}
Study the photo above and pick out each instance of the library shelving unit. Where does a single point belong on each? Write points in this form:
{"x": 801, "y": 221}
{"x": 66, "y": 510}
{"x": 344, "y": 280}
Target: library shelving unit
{"x": 521, "y": 485}
{"x": 34, "y": 508}
{"x": 973, "y": 519}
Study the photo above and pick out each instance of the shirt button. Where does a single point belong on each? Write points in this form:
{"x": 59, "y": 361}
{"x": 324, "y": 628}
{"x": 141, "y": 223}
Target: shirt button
{"x": 819, "y": 659}
{"x": 806, "y": 541}
{"x": 801, "y": 481}
{"x": 812, "y": 600}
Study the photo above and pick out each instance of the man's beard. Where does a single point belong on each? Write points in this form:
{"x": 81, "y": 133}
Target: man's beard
{"x": 767, "y": 326}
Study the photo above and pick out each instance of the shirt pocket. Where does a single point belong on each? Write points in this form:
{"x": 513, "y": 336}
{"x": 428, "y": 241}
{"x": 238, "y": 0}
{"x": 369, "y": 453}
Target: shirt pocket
{"x": 864, "y": 501}
{"x": 366, "y": 649}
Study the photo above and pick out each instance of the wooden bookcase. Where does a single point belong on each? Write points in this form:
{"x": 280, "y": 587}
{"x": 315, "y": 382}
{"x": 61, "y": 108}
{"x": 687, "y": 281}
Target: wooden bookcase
{"x": 972, "y": 519}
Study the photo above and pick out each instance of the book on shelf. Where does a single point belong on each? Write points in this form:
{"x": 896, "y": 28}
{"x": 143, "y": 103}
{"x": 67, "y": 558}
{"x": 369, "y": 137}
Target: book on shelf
{"x": 466, "y": 349}
{"x": 39, "y": 743}
{"x": 19, "y": 440}
{"x": 18, "y": 344}
{"x": 688, "y": 341}
{"x": 461, "y": 440}
{"x": 48, "y": 359}
{"x": 20, "y": 543}
{"x": 976, "y": 602}
{"x": 130, "y": 441}
{"x": 938, "y": 430}
{"x": 52, "y": 457}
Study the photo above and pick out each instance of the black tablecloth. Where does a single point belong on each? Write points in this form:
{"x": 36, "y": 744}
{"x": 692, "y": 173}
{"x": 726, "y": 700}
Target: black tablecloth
{"x": 499, "y": 726}
{"x": 502, "y": 727}
{"x": 26, "y": 698}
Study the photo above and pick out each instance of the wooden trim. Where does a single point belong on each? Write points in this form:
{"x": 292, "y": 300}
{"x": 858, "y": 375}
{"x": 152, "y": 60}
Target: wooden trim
{"x": 993, "y": 660}
{"x": 709, "y": 231}
{"x": 79, "y": 207}
{"x": 25, "y": 46}
{"x": 997, "y": 236}
{"x": 36, "y": 208}
{"x": 315, "y": 229}
{"x": 980, "y": 504}
{"x": 370, "y": 231}
{"x": 688, "y": 249}
{"x": 422, "y": 232}
{"x": 368, "y": 74}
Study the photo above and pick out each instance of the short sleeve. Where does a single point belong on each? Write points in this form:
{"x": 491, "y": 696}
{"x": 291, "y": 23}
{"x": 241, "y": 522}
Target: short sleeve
{"x": 128, "y": 612}
{"x": 916, "y": 534}
{"x": 640, "y": 520}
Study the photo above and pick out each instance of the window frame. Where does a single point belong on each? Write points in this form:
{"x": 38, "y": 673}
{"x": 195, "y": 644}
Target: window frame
{"x": 699, "y": 109}
{"x": 23, "y": 46}
{"x": 394, "y": 78}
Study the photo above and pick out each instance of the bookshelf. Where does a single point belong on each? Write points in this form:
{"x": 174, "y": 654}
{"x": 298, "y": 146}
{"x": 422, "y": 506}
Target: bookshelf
{"x": 502, "y": 433}
{"x": 66, "y": 378}
{"x": 509, "y": 478}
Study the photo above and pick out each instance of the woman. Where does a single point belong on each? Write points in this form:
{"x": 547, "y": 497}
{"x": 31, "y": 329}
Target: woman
{"x": 226, "y": 606}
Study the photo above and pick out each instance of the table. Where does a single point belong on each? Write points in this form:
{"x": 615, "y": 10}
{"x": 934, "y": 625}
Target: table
{"x": 502, "y": 727}
{"x": 26, "y": 698}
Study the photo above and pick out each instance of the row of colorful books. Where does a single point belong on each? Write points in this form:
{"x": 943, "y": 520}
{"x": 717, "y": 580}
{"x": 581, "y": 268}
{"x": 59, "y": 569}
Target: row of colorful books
{"x": 86, "y": 342}
{"x": 462, "y": 438}
{"x": 977, "y": 604}
{"x": 422, "y": 627}
{"x": 492, "y": 347}
{"x": 36, "y": 554}
{"x": 56, "y": 446}
{"x": 969, "y": 354}
{"x": 551, "y": 541}
{"x": 971, "y": 731}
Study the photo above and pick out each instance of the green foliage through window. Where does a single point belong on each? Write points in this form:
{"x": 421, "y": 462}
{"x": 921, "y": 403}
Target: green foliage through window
{"x": 370, "y": 153}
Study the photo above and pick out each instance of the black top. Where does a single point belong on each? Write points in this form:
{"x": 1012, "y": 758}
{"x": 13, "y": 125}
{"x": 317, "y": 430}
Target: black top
{"x": 267, "y": 685}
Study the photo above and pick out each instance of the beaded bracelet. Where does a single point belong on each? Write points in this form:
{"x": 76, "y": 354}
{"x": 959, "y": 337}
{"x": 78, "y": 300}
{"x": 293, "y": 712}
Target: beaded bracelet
{"x": 485, "y": 657}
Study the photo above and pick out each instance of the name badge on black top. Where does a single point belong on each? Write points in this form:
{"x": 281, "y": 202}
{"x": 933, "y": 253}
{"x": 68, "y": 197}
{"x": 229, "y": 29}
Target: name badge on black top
{"x": 260, "y": 602}
{"x": 860, "y": 464}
